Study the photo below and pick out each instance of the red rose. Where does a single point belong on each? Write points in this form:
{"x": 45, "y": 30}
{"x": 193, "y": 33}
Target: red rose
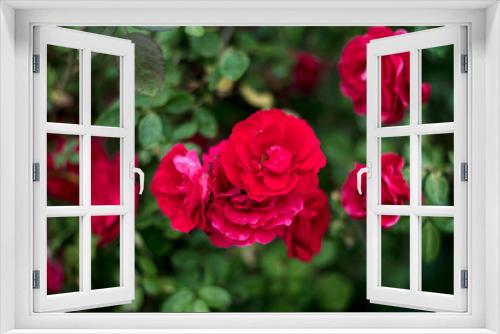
{"x": 306, "y": 72}
{"x": 62, "y": 174}
{"x": 180, "y": 188}
{"x": 270, "y": 152}
{"x": 395, "y": 190}
{"x": 303, "y": 238}
{"x": 55, "y": 275}
{"x": 234, "y": 219}
{"x": 395, "y": 76}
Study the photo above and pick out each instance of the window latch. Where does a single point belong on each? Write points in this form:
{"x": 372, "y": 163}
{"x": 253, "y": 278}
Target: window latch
{"x": 359, "y": 174}
{"x": 138, "y": 171}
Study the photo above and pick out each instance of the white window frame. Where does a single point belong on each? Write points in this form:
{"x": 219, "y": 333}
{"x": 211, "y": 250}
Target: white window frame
{"x": 17, "y": 18}
{"x": 414, "y": 43}
{"x": 85, "y": 43}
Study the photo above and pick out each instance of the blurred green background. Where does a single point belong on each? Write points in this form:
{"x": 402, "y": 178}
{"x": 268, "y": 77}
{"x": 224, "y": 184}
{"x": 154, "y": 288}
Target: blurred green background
{"x": 192, "y": 85}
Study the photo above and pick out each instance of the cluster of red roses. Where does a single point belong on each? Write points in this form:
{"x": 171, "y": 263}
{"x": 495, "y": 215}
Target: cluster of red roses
{"x": 259, "y": 184}
{"x": 395, "y": 94}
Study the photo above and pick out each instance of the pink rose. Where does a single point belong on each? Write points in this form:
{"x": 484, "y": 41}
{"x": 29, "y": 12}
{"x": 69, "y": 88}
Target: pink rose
{"x": 180, "y": 187}
{"x": 395, "y": 76}
{"x": 395, "y": 190}
{"x": 306, "y": 72}
{"x": 234, "y": 219}
{"x": 270, "y": 152}
{"x": 303, "y": 238}
{"x": 62, "y": 174}
{"x": 55, "y": 275}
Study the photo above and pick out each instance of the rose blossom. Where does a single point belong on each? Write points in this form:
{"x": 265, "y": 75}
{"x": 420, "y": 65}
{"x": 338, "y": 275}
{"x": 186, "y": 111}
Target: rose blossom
{"x": 395, "y": 190}
{"x": 270, "y": 153}
{"x": 55, "y": 275}
{"x": 395, "y": 76}
{"x": 180, "y": 188}
{"x": 234, "y": 219}
{"x": 306, "y": 72}
{"x": 62, "y": 177}
{"x": 303, "y": 238}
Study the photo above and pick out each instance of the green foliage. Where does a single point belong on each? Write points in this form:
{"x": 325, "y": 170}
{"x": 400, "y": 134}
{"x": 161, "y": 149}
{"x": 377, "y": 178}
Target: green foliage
{"x": 233, "y": 64}
{"x": 215, "y": 297}
{"x": 431, "y": 242}
{"x": 149, "y": 68}
{"x": 150, "y": 130}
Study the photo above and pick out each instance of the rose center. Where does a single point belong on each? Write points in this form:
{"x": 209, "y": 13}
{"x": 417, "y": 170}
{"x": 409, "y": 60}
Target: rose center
{"x": 276, "y": 159}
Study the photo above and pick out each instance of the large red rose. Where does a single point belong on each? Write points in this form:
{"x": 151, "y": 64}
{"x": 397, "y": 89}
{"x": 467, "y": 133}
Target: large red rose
{"x": 180, "y": 187}
{"x": 304, "y": 237}
{"x": 306, "y": 72}
{"x": 270, "y": 153}
{"x": 234, "y": 219}
{"x": 55, "y": 275}
{"x": 395, "y": 190}
{"x": 395, "y": 76}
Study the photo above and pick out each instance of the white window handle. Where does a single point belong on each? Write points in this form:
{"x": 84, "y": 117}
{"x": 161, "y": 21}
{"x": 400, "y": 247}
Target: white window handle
{"x": 136, "y": 170}
{"x": 360, "y": 173}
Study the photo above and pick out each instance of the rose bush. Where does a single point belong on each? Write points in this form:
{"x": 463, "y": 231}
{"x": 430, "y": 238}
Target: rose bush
{"x": 395, "y": 190}
{"x": 55, "y": 275}
{"x": 306, "y": 72}
{"x": 395, "y": 76}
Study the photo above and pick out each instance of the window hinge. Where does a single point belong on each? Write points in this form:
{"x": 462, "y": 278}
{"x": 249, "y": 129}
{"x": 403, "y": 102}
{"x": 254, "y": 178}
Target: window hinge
{"x": 36, "y": 63}
{"x": 464, "y": 171}
{"x": 465, "y": 64}
{"x": 36, "y": 279}
{"x": 36, "y": 172}
{"x": 464, "y": 279}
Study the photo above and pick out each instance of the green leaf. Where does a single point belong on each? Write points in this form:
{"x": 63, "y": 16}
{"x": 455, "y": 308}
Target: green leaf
{"x": 207, "y": 123}
{"x": 150, "y": 130}
{"x": 214, "y": 78}
{"x": 200, "y": 306}
{"x": 155, "y": 28}
{"x": 431, "y": 242}
{"x": 181, "y": 301}
{"x": 215, "y": 297}
{"x": 443, "y": 224}
{"x": 110, "y": 116}
{"x": 150, "y": 286}
{"x": 233, "y": 64}
{"x": 147, "y": 266}
{"x": 185, "y": 131}
{"x": 195, "y": 31}
{"x": 436, "y": 189}
{"x": 334, "y": 292}
{"x": 149, "y": 67}
{"x": 180, "y": 103}
{"x": 207, "y": 45}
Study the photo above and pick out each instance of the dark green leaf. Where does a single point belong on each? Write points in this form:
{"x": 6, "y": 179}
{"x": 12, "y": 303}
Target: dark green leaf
{"x": 207, "y": 45}
{"x": 207, "y": 123}
{"x": 181, "y": 301}
{"x": 444, "y": 224}
{"x": 149, "y": 68}
{"x": 110, "y": 116}
{"x": 185, "y": 131}
{"x": 436, "y": 189}
{"x": 215, "y": 297}
{"x": 334, "y": 292}
{"x": 431, "y": 242}
{"x": 150, "y": 130}
{"x": 180, "y": 103}
{"x": 233, "y": 64}
{"x": 155, "y": 28}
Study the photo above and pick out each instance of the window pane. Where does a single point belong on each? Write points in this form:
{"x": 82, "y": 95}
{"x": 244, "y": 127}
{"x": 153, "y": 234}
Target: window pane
{"x": 437, "y": 169}
{"x": 437, "y": 254}
{"x": 105, "y": 80}
{"x": 395, "y": 251}
{"x": 395, "y": 89}
{"x": 437, "y": 84}
{"x": 63, "y": 255}
{"x": 105, "y": 171}
{"x": 105, "y": 269}
{"x": 395, "y": 171}
{"x": 63, "y": 170}
{"x": 63, "y": 84}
